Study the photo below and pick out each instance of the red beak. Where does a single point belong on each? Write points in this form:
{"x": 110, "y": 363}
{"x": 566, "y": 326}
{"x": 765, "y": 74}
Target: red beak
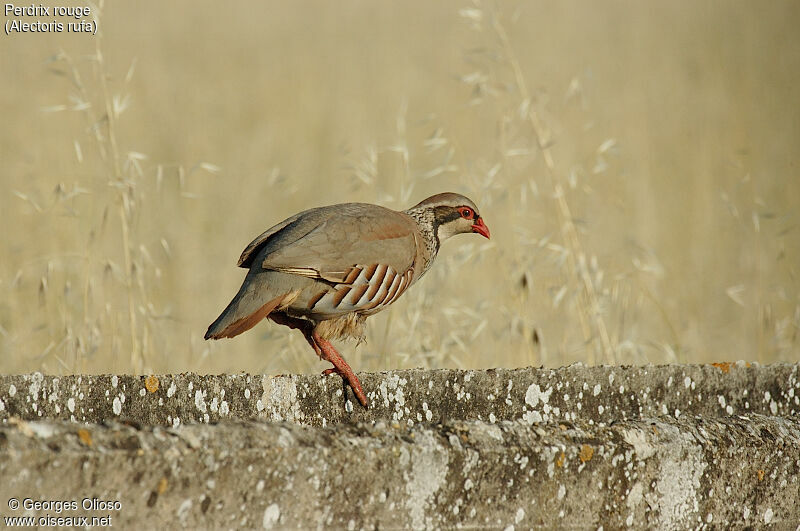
{"x": 480, "y": 227}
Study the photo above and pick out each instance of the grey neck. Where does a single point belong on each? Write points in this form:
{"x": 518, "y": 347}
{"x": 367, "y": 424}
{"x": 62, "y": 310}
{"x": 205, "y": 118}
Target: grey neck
{"x": 427, "y": 228}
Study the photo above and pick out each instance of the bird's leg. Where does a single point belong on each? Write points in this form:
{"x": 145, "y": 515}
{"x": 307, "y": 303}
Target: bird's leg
{"x": 324, "y": 350}
{"x": 340, "y": 366}
{"x": 295, "y": 323}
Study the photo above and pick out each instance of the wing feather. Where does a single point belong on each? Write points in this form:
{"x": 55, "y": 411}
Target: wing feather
{"x": 284, "y": 233}
{"x": 328, "y": 243}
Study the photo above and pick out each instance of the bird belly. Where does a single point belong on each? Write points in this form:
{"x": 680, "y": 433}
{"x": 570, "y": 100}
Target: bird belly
{"x": 349, "y": 326}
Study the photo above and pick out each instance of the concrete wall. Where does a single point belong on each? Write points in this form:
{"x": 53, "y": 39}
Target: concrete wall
{"x": 669, "y": 447}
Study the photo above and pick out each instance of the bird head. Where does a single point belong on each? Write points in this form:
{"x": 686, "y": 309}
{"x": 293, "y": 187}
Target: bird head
{"x": 453, "y": 214}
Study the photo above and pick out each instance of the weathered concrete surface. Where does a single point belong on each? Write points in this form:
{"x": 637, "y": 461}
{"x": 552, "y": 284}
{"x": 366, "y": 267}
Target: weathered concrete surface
{"x": 596, "y": 394}
{"x": 656, "y": 446}
{"x": 670, "y": 474}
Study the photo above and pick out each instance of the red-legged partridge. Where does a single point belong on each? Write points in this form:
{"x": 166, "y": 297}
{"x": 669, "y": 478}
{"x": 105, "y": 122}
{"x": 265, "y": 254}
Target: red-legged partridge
{"x": 325, "y": 270}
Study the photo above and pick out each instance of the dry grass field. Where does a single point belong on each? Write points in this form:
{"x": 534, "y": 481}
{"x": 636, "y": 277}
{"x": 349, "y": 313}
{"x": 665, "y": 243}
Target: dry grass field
{"x": 637, "y": 163}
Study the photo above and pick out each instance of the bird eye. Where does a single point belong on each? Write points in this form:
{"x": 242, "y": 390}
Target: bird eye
{"x": 466, "y": 213}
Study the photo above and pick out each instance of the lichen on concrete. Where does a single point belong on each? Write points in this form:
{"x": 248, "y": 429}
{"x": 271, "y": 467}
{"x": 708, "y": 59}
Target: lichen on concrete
{"x": 669, "y": 473}
{"x": 670, "y": 447}
{"x": 597, "y": 394}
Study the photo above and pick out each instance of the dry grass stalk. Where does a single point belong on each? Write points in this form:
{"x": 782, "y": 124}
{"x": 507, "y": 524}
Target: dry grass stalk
{"x": 577, "y": 266}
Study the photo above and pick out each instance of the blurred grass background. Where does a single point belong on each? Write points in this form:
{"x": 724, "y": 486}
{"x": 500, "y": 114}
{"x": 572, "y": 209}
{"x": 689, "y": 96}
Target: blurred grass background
{"x": 637, "y": 163}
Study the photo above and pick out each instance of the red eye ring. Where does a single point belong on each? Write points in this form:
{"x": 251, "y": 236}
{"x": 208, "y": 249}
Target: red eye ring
{"x": 466, "y": 212}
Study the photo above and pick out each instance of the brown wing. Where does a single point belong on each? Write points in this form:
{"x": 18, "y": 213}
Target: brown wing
{"x": 328, "y": 243}
{"x": 282, "y": 234}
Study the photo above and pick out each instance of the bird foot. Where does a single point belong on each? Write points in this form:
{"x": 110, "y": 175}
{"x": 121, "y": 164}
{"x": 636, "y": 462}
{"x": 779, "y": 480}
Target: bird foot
{"x": 341, "y": 368}
{"x": 350, "y": 377}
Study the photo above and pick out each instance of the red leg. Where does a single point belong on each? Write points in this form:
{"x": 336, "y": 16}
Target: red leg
{"x": 340, "y": 367}
{"x": 326, "y": 351}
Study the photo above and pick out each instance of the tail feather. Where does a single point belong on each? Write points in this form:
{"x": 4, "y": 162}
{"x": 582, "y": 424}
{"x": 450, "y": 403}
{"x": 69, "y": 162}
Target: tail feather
{"x": 244, "y": 312}
{"x": 243, "y": 324}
